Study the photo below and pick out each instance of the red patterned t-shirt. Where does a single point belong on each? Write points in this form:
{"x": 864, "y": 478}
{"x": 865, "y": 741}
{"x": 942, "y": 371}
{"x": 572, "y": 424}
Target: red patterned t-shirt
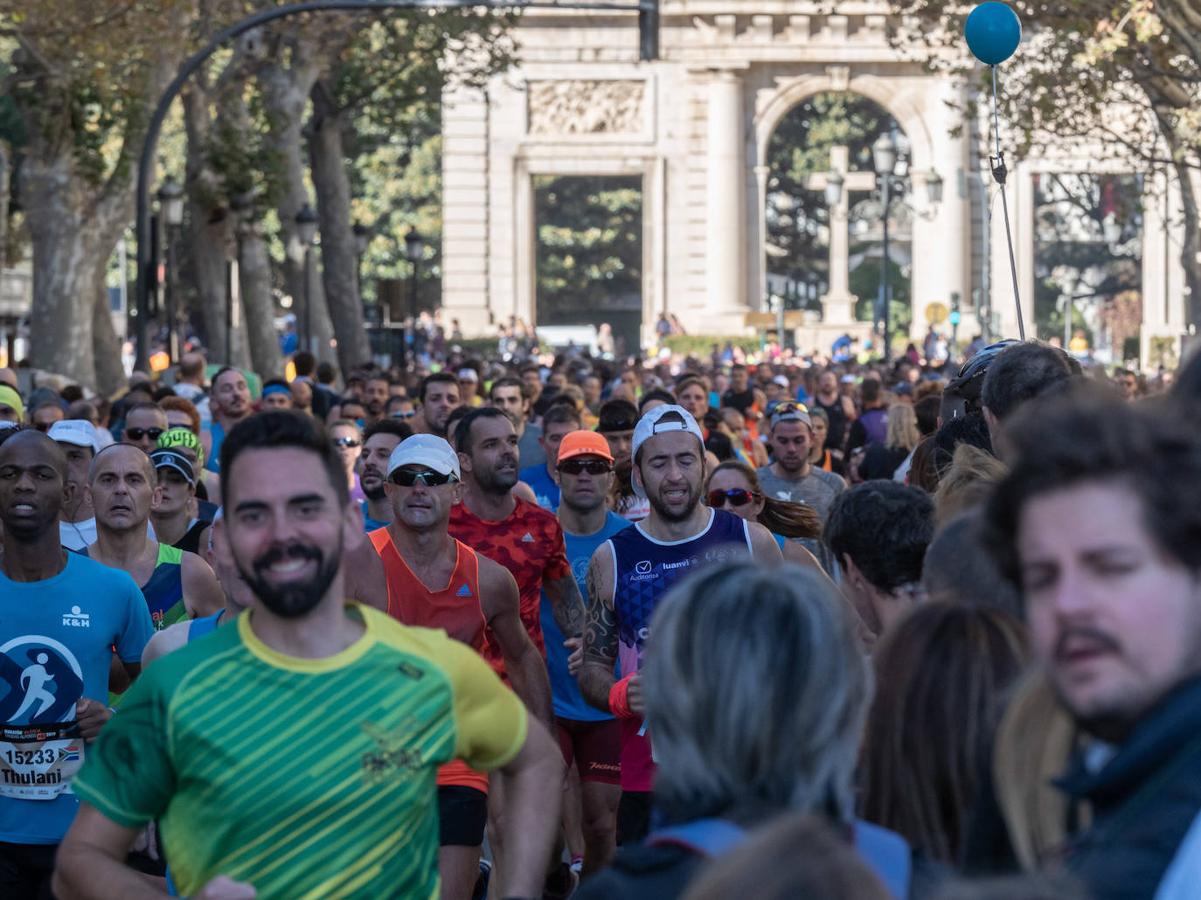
{"x": 529, "y": 543}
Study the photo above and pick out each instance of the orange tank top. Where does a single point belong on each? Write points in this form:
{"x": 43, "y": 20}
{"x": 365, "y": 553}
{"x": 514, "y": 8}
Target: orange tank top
{"x": 454, "y": 608}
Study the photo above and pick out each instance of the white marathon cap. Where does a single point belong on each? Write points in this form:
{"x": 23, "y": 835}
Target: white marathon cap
{"x": 425, "y": 450}
{"x": 79, "y": 432}
{"x": 661, "y": 420}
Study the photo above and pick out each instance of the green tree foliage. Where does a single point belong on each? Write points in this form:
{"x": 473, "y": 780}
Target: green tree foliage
{"x": 1121, "y": 77}
{"x": 589, "y": 258}
{"x": 1075, "y": 254}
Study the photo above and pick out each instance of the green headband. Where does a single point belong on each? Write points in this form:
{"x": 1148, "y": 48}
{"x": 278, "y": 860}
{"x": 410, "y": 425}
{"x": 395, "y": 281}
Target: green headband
{"x": 181, "y": 437}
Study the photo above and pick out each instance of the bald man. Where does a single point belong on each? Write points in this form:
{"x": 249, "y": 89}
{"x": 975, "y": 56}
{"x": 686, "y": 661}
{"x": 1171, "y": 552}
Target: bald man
{"x": 176, "y": 584}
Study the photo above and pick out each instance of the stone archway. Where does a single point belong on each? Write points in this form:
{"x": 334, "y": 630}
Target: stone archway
{"x": 838, "y": 309}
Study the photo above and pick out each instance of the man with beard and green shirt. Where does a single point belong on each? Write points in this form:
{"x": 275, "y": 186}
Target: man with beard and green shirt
{"x": 293, "y": 754}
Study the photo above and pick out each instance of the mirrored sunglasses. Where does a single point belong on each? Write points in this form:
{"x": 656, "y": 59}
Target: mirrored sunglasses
{"x": 408, "y": 478}
{"x": 735, "y": 497}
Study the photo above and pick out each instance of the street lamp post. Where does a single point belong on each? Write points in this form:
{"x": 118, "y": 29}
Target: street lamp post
{"x": 240, "y": 206}
{"x": 306, "y": 231}
{"x": 170, "y": 197}
{"x": 414, "y": 251}
{"x": 884, "y": 160}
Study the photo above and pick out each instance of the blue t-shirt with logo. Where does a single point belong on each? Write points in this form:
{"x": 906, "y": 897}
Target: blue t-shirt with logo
{"x": 564, "y": 689}
{"x": 546, "y": 491}
{"x": 56, "y": 640}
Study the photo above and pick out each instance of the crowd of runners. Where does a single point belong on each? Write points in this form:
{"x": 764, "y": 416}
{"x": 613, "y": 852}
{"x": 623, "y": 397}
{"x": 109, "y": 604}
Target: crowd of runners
{"x": 613, "y": 630}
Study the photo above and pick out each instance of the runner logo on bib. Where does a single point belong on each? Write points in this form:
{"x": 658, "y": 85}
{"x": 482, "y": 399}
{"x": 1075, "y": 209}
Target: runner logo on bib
{"x": 40, "y": 745}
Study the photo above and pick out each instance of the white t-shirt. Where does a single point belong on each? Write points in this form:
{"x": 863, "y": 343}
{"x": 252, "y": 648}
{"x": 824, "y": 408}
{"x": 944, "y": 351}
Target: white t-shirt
{"x": 78, "y": 535}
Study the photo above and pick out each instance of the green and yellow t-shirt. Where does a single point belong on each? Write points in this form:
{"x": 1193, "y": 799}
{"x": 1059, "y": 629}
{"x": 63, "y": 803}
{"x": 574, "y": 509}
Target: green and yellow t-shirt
{"x": 304, "y": 777}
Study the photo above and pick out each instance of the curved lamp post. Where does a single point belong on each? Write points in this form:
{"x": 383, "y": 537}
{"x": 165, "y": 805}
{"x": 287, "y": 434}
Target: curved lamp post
{"x": 648, "y": 24}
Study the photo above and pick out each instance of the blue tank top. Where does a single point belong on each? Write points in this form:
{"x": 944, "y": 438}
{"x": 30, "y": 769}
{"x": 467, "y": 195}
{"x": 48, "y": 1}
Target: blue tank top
{"x": 198, "y": 628}
{"x": 647, "y": 568}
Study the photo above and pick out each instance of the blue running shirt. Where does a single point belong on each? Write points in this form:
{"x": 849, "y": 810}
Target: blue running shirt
{"x": 564, "y": 689}
{"x": 56, "y": 640}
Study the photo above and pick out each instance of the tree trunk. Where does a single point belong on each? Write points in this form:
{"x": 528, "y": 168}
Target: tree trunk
{"x": 286, "y": 94}
{"x": 5, "y": 187}
{"x": 339, "y": 257}
{"x": 64, "y": 266}
{"x": 1190, "y": 250}
{"x": 106, "y": 345}
{"x": 260, "y": 306}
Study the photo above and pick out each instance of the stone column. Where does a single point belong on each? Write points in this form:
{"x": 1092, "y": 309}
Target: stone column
{"x": 838, "y": 305}
{"x": 726, "y": 200}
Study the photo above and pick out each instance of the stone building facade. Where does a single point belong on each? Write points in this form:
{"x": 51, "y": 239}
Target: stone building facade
{"x": 695, "y": 127}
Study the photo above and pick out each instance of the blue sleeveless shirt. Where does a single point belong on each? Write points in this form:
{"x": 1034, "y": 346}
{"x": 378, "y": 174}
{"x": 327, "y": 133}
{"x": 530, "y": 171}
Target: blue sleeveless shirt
{"x": 645, "y": 569}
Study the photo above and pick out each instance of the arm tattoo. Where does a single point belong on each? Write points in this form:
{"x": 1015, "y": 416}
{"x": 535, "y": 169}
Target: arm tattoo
{"x": 566, "y": 604}
{"x": 600, "y": 635}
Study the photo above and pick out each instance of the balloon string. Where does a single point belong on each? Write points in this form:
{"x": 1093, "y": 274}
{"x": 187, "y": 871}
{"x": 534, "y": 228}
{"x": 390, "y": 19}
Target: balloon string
{"x": 999, "y": 174}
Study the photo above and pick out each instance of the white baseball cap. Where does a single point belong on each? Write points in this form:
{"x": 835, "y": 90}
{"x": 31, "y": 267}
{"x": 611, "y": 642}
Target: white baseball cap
{"x": 79, "y": 432}
{"x": 468, "y": 375}
{"x": 661, "y": 420}
{"x": 425, "y": 450}
{"x": 781, "y": 380}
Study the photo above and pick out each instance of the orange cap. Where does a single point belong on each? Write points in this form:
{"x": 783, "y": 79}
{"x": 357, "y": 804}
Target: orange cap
{"x": 584, "y": 443}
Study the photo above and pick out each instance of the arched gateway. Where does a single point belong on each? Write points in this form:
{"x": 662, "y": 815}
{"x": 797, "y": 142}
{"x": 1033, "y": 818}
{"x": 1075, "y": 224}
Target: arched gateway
{"x": 693, "y": 130}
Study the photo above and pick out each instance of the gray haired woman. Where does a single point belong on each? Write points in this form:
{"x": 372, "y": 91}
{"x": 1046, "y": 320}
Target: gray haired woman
{"x": 756, "y": 694}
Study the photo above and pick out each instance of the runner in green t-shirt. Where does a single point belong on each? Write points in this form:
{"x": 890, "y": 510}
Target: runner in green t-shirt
{"x": 296, "y": 752}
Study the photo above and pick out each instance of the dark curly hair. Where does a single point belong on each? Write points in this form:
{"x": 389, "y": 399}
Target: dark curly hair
{"x": 884, "y": 527}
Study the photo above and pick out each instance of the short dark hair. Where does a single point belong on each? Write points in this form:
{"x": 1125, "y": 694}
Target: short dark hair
{"x": 463, "y": 429}
{"x": 969, "y": 429}
{"x": 444, "y": 377}
{"x": 508, "y": 381}
{"x": 1020, "y": 373}
{"x": 884, "y": 527}
{"x": 560, "y": 413}
{"x": 655, "y": 394}
{"x": 617, "y": 415}
{"x": 305, "y": 363}
{"x": 326, "y": 373}
{"x": 278, "y": 429}
{"x": 926, "y": 410}
{"x": 869, "y": 391}
{"x": 220, "y": 372}
{"x": 1095, "y": 437}
{"x": 387, "y": 426}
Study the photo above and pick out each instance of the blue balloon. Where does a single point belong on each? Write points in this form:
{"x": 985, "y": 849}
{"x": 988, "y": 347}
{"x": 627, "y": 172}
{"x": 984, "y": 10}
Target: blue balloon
{"x": 993, "y": 32}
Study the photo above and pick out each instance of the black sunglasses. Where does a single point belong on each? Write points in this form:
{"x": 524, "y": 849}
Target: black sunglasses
{"x": 408, "y": 478}
{"x": 591, "y": 466}
{"x": 735, "y": 496}
{"x": 136, "y": 434}
{"x": 347, "y": 442}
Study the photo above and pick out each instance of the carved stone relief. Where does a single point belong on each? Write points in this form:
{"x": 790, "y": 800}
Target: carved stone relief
{"x": 586, "y": 107}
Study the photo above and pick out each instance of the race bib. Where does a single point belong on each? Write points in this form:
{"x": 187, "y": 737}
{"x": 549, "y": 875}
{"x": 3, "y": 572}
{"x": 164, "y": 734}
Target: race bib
{"x": 37, "y": 762}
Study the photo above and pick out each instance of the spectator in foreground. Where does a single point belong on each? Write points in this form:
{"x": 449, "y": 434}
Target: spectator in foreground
{"x": 1099, "y": 526}
{"x": 755, "y": 690}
